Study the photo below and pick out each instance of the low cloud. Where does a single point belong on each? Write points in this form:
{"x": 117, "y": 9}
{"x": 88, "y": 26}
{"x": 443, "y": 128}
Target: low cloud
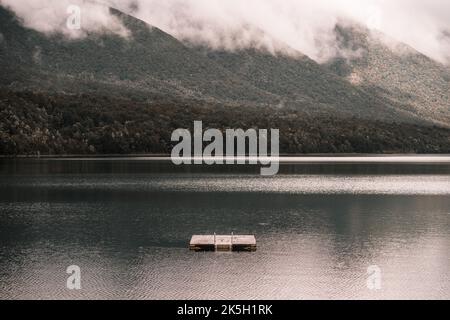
{"x": 305, "y": 25}
{"x": 51, "y": 16}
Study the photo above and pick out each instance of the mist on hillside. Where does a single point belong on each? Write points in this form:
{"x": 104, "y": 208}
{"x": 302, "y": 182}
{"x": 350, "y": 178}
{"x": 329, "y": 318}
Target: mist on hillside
{"x": 304, "y": 25}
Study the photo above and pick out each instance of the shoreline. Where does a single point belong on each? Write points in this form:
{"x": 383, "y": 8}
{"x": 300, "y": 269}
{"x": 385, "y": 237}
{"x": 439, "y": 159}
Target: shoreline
{"x": 320, "y": 159}
{"x": 285, "y": 156}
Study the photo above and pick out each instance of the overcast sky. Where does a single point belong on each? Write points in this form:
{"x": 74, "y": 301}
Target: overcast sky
{"x": 305, "y": 25}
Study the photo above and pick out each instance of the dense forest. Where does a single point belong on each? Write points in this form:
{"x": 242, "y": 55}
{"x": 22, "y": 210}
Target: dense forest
{"x": 106, "y": 94}
{"x": 60, "y": 124}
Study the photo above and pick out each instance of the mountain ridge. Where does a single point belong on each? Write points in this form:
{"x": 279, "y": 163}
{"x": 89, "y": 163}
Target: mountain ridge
{"x": 418, "y": 83}
{"x": 109, "y": 94}
{"x": 153, "y": 63}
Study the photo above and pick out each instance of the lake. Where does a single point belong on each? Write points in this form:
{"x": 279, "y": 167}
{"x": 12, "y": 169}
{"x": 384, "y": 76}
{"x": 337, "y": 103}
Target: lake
{"x": 320, "y": 224}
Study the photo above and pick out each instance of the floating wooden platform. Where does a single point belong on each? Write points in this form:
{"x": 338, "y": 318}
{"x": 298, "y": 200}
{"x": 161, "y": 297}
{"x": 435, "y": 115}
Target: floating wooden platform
{"x": 223, "y": 243}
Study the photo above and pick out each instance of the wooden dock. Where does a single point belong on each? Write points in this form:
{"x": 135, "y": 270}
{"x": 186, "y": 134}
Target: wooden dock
{"x": 223, "y": 243}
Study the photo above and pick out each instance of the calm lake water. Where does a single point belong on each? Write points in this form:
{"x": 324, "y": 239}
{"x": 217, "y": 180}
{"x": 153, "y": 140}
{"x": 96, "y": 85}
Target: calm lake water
{"x": 319, "y": 225}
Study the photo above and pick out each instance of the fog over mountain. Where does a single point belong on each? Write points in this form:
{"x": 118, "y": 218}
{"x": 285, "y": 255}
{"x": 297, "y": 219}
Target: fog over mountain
{"x": 328, "y": 79}
{"x": 305, "y": 25}
{"x": 148, "y": 62}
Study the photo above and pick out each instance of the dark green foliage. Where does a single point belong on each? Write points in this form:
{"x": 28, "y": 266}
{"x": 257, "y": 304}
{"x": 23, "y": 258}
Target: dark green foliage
{"x": 33, "y": 123}
{"x": 152, "y": 63}
{"x": 105, "y": 94}
{"x": 417, "y": 83}
{"x": 148, "y": 62}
